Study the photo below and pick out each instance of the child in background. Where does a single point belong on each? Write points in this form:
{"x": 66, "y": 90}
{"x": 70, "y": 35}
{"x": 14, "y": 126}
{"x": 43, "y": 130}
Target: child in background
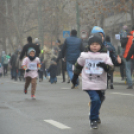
{"x": 94, "y": 64}
{"x": 31, "y": 65}
{"x": 1, "y": 70}
{"x": 53, "y": 71}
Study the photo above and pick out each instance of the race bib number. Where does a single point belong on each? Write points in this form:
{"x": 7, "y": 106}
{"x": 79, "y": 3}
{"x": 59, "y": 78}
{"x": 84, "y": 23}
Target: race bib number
{"x": 32, "y": 66}
{"x": 92, "y": 68}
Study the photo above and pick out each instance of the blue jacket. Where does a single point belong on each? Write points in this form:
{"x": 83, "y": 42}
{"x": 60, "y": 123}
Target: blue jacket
{"x": 71, "y": 49}
{"x": 110, "y": 46}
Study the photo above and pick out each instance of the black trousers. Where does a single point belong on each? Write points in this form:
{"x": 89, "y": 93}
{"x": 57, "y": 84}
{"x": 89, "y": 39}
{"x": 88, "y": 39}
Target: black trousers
{"x": 63, "y": 70}
{"x": 5, "y": 66}
{"x": 122, "y": 70}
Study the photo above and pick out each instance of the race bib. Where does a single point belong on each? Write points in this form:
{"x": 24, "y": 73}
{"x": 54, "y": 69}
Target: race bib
{"x": 92, "y": 68}
{"x": 32, "y": 66}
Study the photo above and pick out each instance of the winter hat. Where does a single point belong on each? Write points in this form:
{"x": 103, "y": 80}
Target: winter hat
{"x": 125, "y": 27}
{"x": 97, "y": 29}
{"x": 95, "y": 38}
{"x": 36, "y": 40}
{"x": 31, "y": 50}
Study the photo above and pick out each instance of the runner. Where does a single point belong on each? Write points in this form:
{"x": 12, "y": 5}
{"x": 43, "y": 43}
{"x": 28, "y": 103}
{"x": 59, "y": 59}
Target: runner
{"x": 31, "y": 66}
{"x": 94, "y": 65}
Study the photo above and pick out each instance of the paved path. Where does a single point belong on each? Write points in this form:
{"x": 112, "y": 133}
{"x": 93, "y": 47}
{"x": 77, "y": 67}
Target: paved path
{"x": 61, "y": 110}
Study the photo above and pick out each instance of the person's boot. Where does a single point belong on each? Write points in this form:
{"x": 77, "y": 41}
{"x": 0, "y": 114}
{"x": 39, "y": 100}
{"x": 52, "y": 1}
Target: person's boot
{"x": 25, "y": 91}
{"x": 111, "y": 87}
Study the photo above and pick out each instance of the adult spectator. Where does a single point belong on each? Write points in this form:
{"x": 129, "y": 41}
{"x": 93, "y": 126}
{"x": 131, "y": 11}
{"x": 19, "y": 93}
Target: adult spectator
{"x": 71, "y": 50}
{"x": 14, "y": 65}
{"x": 4, "y": 61}
{"x": 122, "y": 67}
{"x": 128, "y": 55}
{"x": 111, "y": 50}
{"x": 63, "y": 63}
{"x": 27, "y": 46}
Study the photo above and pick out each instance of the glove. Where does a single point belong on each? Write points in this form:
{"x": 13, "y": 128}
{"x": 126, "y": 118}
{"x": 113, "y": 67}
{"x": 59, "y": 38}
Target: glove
{"x": 104, "y": 66}
{"x": 28, "y": 70}
{"x": 74, "y": 80}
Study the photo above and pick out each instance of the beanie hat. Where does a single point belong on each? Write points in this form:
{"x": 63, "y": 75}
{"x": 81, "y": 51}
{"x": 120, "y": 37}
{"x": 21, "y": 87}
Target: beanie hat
{"x": 97, "y": 29}
{"x": 36, "y": 40}
{"x": 31, "y": 50}
{"x": 95, "y": 38}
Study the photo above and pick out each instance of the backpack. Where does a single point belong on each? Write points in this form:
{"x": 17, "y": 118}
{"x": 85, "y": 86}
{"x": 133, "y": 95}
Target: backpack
{"x": 123, "y": 34}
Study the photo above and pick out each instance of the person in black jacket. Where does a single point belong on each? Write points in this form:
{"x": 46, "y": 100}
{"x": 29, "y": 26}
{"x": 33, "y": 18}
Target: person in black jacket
{"x": 62, "y": 60}
{"x": 14, "y": 64}
{"x": 27, "y": 46}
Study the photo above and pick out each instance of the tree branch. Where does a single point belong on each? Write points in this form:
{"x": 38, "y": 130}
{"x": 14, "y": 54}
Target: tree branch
{"x": 30, "y": 29}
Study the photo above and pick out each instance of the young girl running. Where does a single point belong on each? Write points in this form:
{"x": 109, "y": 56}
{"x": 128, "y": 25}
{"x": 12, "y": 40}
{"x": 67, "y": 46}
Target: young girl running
{"x": 94, "y": 65}
{"x": 31, "y": 66}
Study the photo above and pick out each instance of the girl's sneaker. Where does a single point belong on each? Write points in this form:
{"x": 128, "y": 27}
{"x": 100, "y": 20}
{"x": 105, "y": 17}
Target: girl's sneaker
{"x": 94, "y": 124}
{"x": 25, "y": 91}
{"x": 33, "y": 96}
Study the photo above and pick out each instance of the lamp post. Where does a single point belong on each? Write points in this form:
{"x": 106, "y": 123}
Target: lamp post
{"x": 40, "y": 25}
{"x": 77, "y": 18}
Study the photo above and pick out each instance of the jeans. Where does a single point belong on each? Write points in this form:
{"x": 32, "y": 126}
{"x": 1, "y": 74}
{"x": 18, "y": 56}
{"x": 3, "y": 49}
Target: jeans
{"x": 21, "y": 73}
{"x": 122, "y": 70}
{"x": 41, "y": 74}
{"x": 70, "y": 72}
{"x": 63, "y": 70}
{"x": 47, "y": 73}
{"x": 5, "y": 67}
{"x": 14, "y": 73}
{"x": 128, "y": 73}
{"x": 53, "y": 80}
{"x": 96, "y": 102}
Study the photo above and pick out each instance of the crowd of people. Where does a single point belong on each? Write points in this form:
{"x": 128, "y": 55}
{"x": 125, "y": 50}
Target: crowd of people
{"x": 94, "y": 61}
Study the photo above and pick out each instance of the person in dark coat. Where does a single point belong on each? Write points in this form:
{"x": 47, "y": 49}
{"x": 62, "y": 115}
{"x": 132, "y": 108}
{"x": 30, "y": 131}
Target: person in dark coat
{"x": 27, "y": 46}
{"x": 112, "y": 52}
{"x": 71, "y": 51}
{"x": 63, "y": 63}
{"x": 14, "y": 65}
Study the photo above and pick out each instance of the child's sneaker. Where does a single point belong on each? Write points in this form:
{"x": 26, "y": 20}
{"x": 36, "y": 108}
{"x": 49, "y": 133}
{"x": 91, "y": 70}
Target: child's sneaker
{"x": 33, "y": 96}
{"x": 94, "y": 124}
{"x": 99, "y": 121}
{"x": 25, "y": 91}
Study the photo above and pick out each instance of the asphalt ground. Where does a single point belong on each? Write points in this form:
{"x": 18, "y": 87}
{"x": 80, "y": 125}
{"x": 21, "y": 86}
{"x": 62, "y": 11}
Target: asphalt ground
{"x": 58, "y": 109}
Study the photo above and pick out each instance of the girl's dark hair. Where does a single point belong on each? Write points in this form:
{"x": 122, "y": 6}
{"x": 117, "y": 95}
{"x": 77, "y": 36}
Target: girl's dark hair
{"x": 108, "y": 38}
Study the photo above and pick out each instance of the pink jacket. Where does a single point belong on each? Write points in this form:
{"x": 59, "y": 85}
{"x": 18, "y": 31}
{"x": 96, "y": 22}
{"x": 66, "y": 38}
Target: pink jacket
{"x": 32, "y": 65}
{"x": 93, "y": 77}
